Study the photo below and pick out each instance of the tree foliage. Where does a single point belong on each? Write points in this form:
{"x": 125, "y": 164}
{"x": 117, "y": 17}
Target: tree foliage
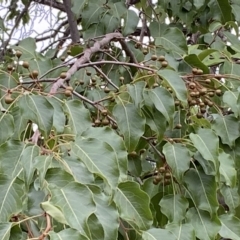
{"x": 122, "y": 122}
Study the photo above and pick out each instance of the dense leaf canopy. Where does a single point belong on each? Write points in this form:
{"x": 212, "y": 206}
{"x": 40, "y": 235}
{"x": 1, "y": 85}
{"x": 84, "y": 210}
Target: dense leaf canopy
{"x": 120, "y": 120}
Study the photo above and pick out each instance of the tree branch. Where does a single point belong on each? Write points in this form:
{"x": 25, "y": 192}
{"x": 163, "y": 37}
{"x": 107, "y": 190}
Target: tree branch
{"x": 85, "y": 58}
{"x": 72, "y": 22}
{"x": 51, "y": 3}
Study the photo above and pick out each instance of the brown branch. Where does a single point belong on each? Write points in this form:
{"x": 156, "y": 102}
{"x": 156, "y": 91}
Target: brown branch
{"x": 128, "y": 51}
{"x": 17, "y": 21}
{"x": 48, "y": 228}
{"x": 106, "y": 77}
{"x": 72, "y": 22}
{"x": 85, "y": 58}
{"x": 56, "y": 31}
{"x": 51, "y": 3}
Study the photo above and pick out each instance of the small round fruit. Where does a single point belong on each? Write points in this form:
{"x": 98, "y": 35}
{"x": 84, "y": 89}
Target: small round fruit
{"x": 203, "y": 91}
{"x": 69, "y": 88}
{"x": 203, "y": 110}
{"x": 63, "y": 58}
{"x": 192, "y": 102}
{"x": 161, "y": 58}
{"x": 178, "y": 126}
{"x": 34, "y": 74}
{"x": 154, "y": 57}
{"x": 199, "y": 72}
{"x": 158, "y": 178}
{"x": 210, "y": 104}
{"x": 68, "y": 93}
{"x": 93, "y": 80}
{"x": 201, "y": 104}
{"x": 192, "y": 94}
{"x": 208, "y": 81}
{"x": 192, "y": 85}
{"x": 104, "y": 112}
{"x": 25, "y": 64}
{"x": 194, "y": 70}
{"x": 167, "y": 175}
{"x": 97, "y": 122}
{"x": 18, "y": 54}
{"x": 81, "y": 82}
{"x": 199, "y": 115}
{"x": 114, "y": 126}
{"x": 9, "y": 67}
{"x": 132, "y": 154}
{"x": 105, "y": 122}
{"x": 218, "y": 92}
{"x": 121, "y": 79}
{"x": 197, "y": 94}
{"x": 145, "y": 51}
{"x": 155, "y": 181}
{"x": 8, "y": 99}
{"x": 164, "y": 64}
{"x": 211, "y": 94}
{"x": 88, "y": 73}
{"x": 106, "y": 90}
{"x": 155, "y": 85}
{"x": 177, "y": 103}
{"x": 162, "y": 170}
{"x": 63, "y": 75}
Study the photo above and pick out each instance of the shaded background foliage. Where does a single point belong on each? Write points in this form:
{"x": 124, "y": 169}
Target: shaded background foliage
{"x": 137, "y": 111}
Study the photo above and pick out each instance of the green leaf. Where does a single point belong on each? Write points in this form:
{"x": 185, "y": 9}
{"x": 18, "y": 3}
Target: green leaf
{"x": 42, "y": 163}
{"x": 11, "y": 197}
{"x": 91, "y": 13}
{"x": 227, "y": 169}
{"x": 174, "y": 207}
{"x": 58, "y": 177}
{"x": 156, "y": 121}
{"x": 79, "y": 116}
{"x": 130, "y": 22}
{"x": 38, "y": 110}
{"x": 207, "y": 144}
{"x": 231, "y": 197}
{"x": 220, "y": 10}
{"x": 138, "y": 215}
{"x": 106, "y": 134}
{"x": 163, "y": 101}
{"x": 194, "y": 61}
{"x": 175, "y": 82}
{"x": 178, "y": 158}
{"x": 109, "y": 222}
{"x": 5, "y": 229}
{"x": 173, "y": 40}
{"x": 54, "y": 212}
{"x": 136, "y": 92}
{"x": 202, "y": 189}
{"x": 94, "y": 228}
{"x": 126, "y": 117}
{"x": 27, "y": 46}
{"x": 11, "y": 150}
{"x": 89, "y": 151}
{"x": 68, "y": 233}
{"x": 27, "y": 158}
{"x": 227, "y": 127}
{"x": 182, "y": 231}
{"x": 157, "y": 234}
{"x": 6, "y": 127}
{"x": 206, "y": 227}
{"x": 230, "y": 98}
{"x": 59, "y": 118}
{"x": 77, "y": 7}
{"x": 75, "y": 202}
{"x": 230, "y": 227}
